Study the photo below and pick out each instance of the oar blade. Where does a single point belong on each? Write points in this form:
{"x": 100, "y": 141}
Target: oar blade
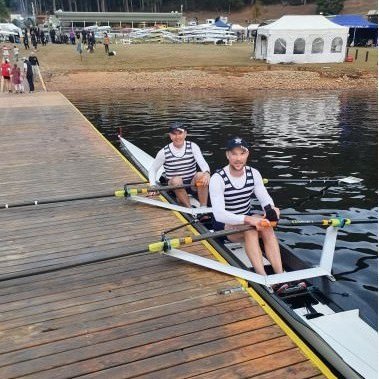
{"x": 350, "y": 180}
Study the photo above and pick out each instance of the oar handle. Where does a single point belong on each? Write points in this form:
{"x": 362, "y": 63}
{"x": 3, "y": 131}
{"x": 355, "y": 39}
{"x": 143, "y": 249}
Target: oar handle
{"x": 177, "y": 242}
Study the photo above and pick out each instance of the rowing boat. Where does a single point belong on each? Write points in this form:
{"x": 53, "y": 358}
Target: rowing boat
{"x": 336, "y": 323}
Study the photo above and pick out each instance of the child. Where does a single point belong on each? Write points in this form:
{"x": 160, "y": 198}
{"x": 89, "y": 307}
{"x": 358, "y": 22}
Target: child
{"x": 21, "y": 85}
{"x": 15, "y": 77}
{"x": 5, "y": 53}
{"x": 15, "y": 53}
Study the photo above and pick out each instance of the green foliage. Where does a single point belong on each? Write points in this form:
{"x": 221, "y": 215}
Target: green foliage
{"x": 4, "y": 11}
{"x": 328, "y": 7}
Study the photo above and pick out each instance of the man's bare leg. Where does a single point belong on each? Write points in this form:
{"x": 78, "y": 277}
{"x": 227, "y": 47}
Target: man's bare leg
{"x": 252, "y": 248}
{"x": 181, "y": 194}
{"x": 272, "y": 249}
{"x": 202, "y": 191}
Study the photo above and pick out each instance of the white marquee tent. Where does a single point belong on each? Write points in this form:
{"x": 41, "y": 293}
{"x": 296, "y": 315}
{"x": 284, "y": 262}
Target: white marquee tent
{"x": 237, "y": 28}
{"x": 253, "y": 27}
{"x": 301, "y": 39}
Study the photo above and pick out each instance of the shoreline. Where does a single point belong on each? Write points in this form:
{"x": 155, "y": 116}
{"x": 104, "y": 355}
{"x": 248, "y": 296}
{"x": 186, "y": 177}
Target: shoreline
{"x": 209, "y": 79}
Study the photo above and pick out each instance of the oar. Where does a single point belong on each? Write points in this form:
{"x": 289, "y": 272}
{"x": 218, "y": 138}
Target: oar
{"x": 37, "y": 271}
{"x": 40, "y": 78}
{"x": 167, "y": 244}
{"x": 148, "y": 189}
{"x": 335, "y": 221}
{"x": 118, "y": 193}
{"x": 346, "y": 180}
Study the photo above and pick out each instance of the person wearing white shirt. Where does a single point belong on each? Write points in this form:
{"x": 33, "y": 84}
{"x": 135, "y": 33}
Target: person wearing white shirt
{"x": 231, "y": 189}
{"x": 180, "y": 159}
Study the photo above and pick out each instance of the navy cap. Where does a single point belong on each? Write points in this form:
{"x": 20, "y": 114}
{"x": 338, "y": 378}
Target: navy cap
{"x": 177, "y": 126}
{"x": 237, "y": 142}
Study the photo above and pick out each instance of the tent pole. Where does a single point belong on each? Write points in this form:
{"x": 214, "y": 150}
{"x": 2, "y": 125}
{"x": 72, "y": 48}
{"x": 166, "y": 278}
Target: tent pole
{"x": 354, "y": 36}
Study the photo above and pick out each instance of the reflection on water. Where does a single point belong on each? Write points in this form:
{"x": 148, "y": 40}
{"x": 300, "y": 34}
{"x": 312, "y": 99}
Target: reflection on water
{"x": 292, "y": 134}
{"x": 293, "y": 118}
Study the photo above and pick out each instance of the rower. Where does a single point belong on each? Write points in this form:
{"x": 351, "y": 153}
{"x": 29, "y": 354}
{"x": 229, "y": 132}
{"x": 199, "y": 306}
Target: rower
{"x": 180, "y": 159}
{"x": 231, "y": 189}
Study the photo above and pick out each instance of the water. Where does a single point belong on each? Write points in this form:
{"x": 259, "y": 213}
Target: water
{"x": 293, "y": 135}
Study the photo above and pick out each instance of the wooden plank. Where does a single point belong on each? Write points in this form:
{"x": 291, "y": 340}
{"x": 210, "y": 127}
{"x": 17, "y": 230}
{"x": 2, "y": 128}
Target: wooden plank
{"x": 103, "y": 332}
{"x": 151, "y": 344}
{"x": 195, "y": 308}
{"x": 300, "y": 370}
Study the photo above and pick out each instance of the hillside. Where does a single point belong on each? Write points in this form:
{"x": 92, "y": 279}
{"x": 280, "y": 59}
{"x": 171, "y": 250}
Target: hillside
{"x": 276, "y": 11}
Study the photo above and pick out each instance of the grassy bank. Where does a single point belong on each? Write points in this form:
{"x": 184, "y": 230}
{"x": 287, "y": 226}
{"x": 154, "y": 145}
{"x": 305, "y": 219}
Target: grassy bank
{"x": 56, "y": 59}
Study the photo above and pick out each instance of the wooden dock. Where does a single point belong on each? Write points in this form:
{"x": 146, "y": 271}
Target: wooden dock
{"x": 140, "y": 316}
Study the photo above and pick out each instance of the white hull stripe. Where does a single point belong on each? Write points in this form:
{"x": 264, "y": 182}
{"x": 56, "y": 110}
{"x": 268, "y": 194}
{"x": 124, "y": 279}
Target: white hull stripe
{"x": 247, "y": 275}
{"x": 173, "y": 207}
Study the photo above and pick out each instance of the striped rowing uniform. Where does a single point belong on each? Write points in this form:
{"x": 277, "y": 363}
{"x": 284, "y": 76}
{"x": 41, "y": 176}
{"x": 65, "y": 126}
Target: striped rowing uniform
{"x": 180, "y": 162}
{"x": 231, "y": 196}
{"x": 183, "y": 166}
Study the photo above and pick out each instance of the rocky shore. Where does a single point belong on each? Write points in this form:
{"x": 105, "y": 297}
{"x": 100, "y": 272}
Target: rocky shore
{"x": 194, "y": 79}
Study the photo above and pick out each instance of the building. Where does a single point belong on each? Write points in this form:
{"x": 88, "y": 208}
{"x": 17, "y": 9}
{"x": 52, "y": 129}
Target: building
{"x": 119, "y": 19}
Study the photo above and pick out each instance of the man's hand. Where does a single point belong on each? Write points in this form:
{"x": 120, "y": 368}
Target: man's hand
{"x": 254, "y": 221}
{"x": 203, "y": 179}
{"x": 152, "y": 193}
{"x": 272, "y": 213}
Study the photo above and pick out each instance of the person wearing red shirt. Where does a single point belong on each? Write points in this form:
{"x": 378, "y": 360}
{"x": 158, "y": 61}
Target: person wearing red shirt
{"x": 6, "y": 74}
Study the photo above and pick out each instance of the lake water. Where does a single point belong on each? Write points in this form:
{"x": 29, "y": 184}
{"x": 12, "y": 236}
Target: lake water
{"x": 293, "y": 135}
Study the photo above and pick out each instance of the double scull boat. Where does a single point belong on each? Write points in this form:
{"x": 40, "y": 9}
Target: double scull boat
{"x": 336, "y": 323}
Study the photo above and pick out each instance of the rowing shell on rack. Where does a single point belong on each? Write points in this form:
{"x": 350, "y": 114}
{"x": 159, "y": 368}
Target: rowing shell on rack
{"x": 335, "y": 322}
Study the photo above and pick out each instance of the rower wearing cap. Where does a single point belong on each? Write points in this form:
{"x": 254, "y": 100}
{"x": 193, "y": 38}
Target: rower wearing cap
{"x": 180, "y": 159}
{"x": 231, "y": 189}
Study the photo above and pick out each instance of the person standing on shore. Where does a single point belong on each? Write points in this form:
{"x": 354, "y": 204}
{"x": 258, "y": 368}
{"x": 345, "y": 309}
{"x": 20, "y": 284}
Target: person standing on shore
{"x": 79, "y": 48}
{"x": 6, "y": 54}
{"x": 231, "y": 189}
{"x": 106, "y": 42}
{"x": 33, "y": 38}
{"x": 34, "y": 62}
{"x": 16, "y": 78}
{"x": 26, "y": 40}
{"x": 6, "y": 74}
{"x": 16, "y": 52}
{"x": 28, "y": 70}
{"x": 179, "y": 159}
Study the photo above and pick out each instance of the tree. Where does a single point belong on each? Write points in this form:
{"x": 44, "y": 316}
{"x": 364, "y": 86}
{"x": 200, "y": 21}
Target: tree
{"x": 327, "y": 7}
{"x": 4, "y": 11}
{"x": 256, "y": 11}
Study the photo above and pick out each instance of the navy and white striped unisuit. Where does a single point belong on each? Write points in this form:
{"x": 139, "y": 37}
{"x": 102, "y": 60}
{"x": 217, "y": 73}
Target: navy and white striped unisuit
{"x": 238, "y": 200}
{"x": 184, "y": 166}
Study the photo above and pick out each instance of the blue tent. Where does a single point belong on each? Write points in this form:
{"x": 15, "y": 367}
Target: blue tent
{"x": 221, "y": 24}
{"x": 353, "y": 21}
{"x": 362, "y": 29}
